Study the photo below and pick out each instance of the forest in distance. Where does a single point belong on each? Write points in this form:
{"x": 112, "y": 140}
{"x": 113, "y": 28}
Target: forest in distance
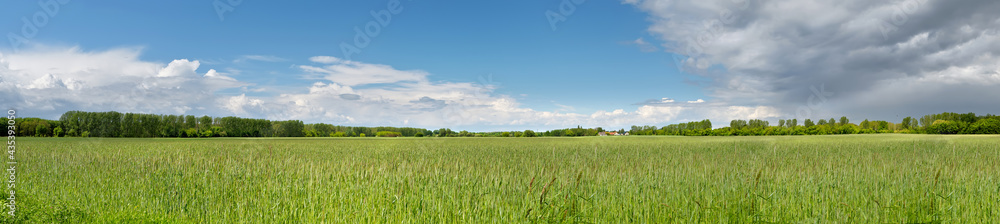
{"x": 134, "y": 125}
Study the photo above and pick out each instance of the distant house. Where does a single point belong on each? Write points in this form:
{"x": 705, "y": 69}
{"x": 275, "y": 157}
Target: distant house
{"x": 611, "y": 133}
{"x": 602, "y": 134}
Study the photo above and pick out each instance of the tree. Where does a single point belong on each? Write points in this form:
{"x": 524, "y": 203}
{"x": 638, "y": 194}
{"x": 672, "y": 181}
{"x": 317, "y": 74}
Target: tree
{"x": 906, "y": 123}
{"x": 207, "y": 133}
{"x": 42, "y": 130}
{"x": 781, "y": 123}
{"x": 205, "y": 123}
{"x": 758, "y": 124}
{"x": 846, "y": 129}
{"x": 946, "y": 127}
{"x": 832, "y": 122}
{"x": 57, "y": 132}
{"x": 444, "y": 132}
{"x": 880, "y": 125}
{"x": 292, "y": 128}
{"x": 738, "y": 124}
{"x": 529, "y": 133}
{"x": 388, "y": 134}
{"x": 844, "y": 121}
{"x": 114, "y": 124}
{"x": 809, "y": 123}
{"x": 990, "y": 126}
{"x": 190, "y": 122}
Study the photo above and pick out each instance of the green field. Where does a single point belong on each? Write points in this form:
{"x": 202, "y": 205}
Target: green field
{"x": 785, "y": 179}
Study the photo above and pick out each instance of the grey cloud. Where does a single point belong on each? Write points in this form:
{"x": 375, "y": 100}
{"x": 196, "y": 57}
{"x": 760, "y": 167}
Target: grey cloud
{"x": 348, "y": 96}
{"x": 430, "y": 103}
{"x": 774, "y": 51}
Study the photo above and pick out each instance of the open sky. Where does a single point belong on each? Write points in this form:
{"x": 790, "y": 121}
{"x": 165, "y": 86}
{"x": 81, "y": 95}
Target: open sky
{"x": 503, "y": 65}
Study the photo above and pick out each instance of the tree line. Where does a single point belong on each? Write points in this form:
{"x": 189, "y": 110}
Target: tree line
{"x": 944, "y": 123}
{"x": 136, "y": 125}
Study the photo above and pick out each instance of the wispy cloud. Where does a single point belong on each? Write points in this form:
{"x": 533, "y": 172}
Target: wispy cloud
{"x": 564, "y": 108}
{"x": 661, "y": 101}
{"x": 352, "y": 73}
{"x": 643, "y": 45}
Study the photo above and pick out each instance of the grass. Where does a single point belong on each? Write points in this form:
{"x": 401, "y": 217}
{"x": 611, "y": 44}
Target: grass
{"x": 783, "y": 179}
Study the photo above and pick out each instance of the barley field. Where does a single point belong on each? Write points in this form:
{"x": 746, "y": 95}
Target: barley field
{"x": 783, "y": 179}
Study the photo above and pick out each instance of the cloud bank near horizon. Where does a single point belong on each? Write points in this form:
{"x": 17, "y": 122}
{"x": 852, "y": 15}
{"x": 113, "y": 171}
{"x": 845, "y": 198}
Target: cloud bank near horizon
{"x": 347, "y": 93}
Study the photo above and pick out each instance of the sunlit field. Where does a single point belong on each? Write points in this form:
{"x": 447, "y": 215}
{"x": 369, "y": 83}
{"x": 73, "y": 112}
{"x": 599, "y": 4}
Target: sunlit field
{"x": 848, "y": 179}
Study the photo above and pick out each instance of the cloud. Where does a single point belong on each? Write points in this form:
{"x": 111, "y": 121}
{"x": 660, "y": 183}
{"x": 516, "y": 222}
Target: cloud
{"x": 215, "y": 74}
{"x": 241, "y": 105}
{"x": 881, "y": 59}
{"x": 661, "y": 115}
{"x": 325, "y": 59}
{"x": 643, "y": 45}
{"x": 348, "y": 96}
{"x": 47, "y": 81}
{"x": 117, "y": 80}
{"x": 413, "y": 100}
{"x": 661, "y": 101}
{"x": 564, "y": 108}
{"x": 180, "y": 68}
{"x": 352, "y": 73}
{"x": 428, "y": 103}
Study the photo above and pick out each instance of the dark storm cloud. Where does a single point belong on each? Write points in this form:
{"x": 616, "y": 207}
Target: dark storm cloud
{"x": 876, "y": 58}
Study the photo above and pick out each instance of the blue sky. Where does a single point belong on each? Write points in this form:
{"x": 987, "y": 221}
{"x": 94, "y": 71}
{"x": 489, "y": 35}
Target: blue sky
{"x": 610, "y": 63}
{"x": 455, "y": 41}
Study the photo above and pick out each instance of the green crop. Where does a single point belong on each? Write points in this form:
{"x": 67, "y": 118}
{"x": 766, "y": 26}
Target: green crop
{"x": 783, "y": 179}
